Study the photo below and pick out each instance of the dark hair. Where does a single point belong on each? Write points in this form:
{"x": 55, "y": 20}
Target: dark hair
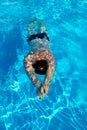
{"x": 40, "y": 64}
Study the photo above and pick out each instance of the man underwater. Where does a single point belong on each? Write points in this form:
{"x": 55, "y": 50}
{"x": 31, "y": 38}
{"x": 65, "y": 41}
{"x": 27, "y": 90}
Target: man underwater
{"x": 40, "y": 60}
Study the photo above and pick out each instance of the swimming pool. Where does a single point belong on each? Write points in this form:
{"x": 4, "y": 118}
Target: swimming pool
{"x": 65, "y": 106}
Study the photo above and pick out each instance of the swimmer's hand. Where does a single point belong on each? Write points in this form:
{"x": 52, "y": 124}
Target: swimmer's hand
{"x": 42, "y": 91}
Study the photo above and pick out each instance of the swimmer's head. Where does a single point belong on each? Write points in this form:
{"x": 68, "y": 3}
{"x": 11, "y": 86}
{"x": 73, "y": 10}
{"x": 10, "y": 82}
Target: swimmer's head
{"x": 40, "y": 67}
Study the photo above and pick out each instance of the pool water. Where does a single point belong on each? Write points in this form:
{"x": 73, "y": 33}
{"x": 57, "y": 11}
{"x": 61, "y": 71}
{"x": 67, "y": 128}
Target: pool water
{"x": 65, "y": 106}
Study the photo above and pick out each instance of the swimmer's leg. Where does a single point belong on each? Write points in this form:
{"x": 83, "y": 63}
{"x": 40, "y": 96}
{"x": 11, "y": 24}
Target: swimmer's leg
{"x": 37, "y": 33}
{"x": 36, "y": 26}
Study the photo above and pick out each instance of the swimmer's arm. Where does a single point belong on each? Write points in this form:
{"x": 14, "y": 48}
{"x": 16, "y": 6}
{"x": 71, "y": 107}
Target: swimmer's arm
{"x": 45, "y": 87}
{"x": 50, "y": 69}
{"x": 34, "y": 79}
{"x": 49, "y": 75}
{"x": 30, "y": 70}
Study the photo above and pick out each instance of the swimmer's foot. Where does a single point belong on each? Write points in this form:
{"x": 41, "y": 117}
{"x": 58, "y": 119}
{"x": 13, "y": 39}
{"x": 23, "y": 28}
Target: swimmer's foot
{"x": 42, "y": 91}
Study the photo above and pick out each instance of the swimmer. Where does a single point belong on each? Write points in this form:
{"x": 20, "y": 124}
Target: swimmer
{"x": 40, "y": 59}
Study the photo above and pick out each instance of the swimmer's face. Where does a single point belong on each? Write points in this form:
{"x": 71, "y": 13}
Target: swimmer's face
{"x": 41, "y": 68}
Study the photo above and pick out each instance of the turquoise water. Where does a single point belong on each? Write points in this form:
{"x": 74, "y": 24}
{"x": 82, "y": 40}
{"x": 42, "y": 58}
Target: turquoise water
{"x": 65, "y": 106}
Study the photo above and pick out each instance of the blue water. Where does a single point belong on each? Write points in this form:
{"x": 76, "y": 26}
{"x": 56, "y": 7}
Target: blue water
{"x": 65, "y": 106}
